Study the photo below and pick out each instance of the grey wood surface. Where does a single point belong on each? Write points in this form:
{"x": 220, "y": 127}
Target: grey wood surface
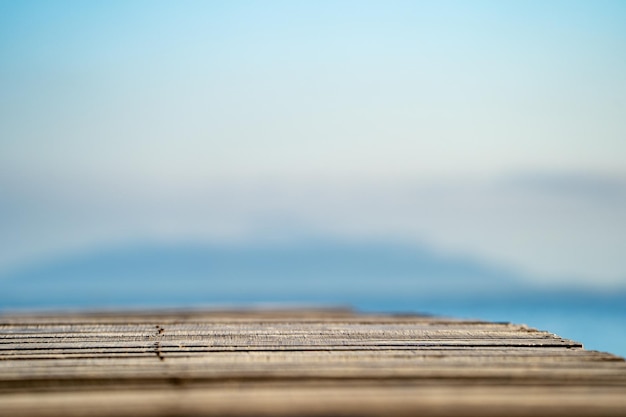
{"x": 315, "y": 362}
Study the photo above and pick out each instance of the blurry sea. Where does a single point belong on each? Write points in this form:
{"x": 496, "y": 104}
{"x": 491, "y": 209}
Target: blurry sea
{"x": 366, "y": 277}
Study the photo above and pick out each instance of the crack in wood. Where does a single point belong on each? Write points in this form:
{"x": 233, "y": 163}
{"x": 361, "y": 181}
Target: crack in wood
{"x": 157, "y": 344}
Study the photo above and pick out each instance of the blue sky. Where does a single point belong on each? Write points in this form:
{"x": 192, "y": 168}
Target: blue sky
{"x": 492, "y": 129}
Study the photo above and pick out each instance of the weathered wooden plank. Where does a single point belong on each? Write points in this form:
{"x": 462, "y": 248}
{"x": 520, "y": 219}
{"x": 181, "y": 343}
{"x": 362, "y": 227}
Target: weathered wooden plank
{"x": 302, "y": 362}
{"x": 311, "y": 400}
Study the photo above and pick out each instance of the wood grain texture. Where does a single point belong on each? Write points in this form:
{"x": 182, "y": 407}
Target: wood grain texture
{"x": 324, "y": 362}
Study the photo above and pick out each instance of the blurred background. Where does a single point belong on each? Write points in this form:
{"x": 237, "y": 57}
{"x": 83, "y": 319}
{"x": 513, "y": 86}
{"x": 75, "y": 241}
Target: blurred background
{"x": 456, "y": 158}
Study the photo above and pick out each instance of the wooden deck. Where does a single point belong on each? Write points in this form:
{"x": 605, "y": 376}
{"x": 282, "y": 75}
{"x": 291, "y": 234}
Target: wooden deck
{"x": 289, "y": 363}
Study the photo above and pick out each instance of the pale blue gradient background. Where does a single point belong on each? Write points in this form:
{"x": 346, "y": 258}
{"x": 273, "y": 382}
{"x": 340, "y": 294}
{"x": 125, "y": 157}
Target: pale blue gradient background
{"x": 483, "y": 135}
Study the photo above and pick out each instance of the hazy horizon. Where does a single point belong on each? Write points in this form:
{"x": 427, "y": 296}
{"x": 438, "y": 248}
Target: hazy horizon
{"x": 485, "y": 130}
